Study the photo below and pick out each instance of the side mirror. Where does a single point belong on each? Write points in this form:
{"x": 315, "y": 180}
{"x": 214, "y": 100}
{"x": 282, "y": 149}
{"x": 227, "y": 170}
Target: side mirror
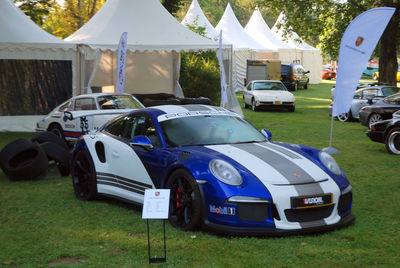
{"x": 142, "y": 141}
{"x": 267, "y": 134}
{"x": 68, "y": 116}
{"x": 306, "y": 72}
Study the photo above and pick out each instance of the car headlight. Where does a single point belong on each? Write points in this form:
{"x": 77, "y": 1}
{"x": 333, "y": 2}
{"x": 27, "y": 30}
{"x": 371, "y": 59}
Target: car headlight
{"x": 329, "y": 162}
{"x": 225, "y": 172}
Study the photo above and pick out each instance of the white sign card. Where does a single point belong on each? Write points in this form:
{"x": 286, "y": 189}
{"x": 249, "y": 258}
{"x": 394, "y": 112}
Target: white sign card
{"x": 156, "y": 204}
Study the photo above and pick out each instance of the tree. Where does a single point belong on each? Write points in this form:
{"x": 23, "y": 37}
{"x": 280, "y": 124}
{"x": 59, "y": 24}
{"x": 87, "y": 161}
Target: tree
{"x": 36, "y": 10}
{"x": 172, "y": 5}
{"x": 324, "y": 22}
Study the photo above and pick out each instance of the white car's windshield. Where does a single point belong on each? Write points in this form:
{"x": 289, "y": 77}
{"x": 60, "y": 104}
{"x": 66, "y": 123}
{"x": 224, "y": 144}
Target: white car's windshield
{"x": 118, "y": 102}
{"x": 209, "y": 130}
{"x": 268, "y": 86}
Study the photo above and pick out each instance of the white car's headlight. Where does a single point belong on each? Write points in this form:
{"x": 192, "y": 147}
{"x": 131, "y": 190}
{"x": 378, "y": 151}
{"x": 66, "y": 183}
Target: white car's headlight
{"x": 225, "y": 172}
{"x": 329, "y": 162}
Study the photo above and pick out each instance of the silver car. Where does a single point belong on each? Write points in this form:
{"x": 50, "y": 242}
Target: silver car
{"x": 363, "y": 97}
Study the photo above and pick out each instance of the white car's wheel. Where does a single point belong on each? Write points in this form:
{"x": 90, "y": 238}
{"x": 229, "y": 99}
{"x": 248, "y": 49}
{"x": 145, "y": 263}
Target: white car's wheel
{"x": 393, "y": 141}
{"x": 253, "y": 105}
{"x": 344, "y": 117}
{"x": 373, "y": 118}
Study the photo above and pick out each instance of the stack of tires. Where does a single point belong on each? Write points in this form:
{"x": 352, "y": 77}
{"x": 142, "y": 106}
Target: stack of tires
{"x": 155, "y": 99}
{"x": 27, "y": 159}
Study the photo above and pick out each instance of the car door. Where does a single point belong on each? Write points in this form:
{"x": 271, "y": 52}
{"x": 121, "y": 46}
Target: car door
{"x": 247, "y": 93}
{"x": 125, "y": 165}
{"x": 361, "y": 99}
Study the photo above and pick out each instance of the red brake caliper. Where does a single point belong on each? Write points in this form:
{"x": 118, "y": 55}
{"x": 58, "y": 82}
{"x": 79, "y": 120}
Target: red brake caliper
{"x": 177, "y": 198}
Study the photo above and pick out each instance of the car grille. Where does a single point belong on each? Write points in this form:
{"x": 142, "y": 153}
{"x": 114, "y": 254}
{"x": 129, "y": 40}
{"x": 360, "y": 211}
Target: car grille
{"x": 308, "y": 214}
{"x": 252, "y": 212}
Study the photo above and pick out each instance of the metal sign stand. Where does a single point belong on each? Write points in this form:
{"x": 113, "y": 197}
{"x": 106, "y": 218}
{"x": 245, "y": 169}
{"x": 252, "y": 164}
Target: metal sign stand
{"x": 156, "y": 260}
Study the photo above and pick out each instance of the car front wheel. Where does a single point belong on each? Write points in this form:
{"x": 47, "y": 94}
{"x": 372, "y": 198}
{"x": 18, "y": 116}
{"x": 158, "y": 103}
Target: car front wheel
{"x": 373, "y": 118}
{"x": 84, "y": 176}
{"x": 253, "y": 105}
{"x": 393, "y": 141}
{"x": 185, "y": 201}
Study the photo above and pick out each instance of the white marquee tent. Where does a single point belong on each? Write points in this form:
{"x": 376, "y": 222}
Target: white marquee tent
{"x": 153, "y": 46}
{"x": 195, "y": 15}
{"x": 22, "y": 39}
{"x": 258, "y": 29}
{"x": 244, "y": 46}
{"x": 311, "y": 58}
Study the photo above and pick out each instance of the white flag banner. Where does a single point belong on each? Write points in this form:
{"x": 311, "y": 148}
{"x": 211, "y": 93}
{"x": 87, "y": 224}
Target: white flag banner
{"x": 121, "y": 61}
{"x": 224, "y": 95}
{"x": 357, "y": 44}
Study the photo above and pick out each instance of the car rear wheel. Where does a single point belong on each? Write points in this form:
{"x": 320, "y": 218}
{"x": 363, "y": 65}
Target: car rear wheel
{"x": 306, "y": 84}
{"x": 393, "y": 141}
{"x": 375, "y": 76}
{"x": 344, "y": 117}
{"x": 84, "y": 176}
{"x": 296, "y": 86}
{"x": 373, "y": 118}
{"x": 185, "y": 202}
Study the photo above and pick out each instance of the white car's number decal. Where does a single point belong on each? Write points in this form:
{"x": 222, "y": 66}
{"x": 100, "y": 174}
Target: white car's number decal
{"x": 84, "y": 125}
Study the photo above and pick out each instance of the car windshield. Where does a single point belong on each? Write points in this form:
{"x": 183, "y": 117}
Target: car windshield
{"x": 118, "y": 102}
{"x": 285, "y": 69}
{"x": 269, "y": 86}
{"x": 394, "y": 99}
{"x": 209, "y": 130}
{"x": 387, "y": 91}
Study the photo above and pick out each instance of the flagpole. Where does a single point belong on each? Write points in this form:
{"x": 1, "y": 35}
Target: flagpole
{"x": 330, "y": 149}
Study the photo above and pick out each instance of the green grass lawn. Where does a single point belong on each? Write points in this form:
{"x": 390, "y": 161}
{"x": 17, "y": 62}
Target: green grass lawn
{"x": 43, "y": 224}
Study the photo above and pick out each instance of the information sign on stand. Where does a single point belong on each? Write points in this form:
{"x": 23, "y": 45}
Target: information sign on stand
{"x": 156, "y": 206}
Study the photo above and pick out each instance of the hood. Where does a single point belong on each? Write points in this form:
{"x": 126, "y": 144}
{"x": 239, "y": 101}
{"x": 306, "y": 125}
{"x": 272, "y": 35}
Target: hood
{"x": 274, "y": 94}
{"x": 272, "y": 163}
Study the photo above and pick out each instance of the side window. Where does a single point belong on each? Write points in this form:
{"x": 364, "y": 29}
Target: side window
{"x": 358, "y": 95}
{"x": 116, "y": 128}
{"x": 85, "y": 104}
{"x": 370, "y": 93}
{"x": 66, "y": 107}
{"x": 249, "y": 86}
{"x": 143, "y": 125}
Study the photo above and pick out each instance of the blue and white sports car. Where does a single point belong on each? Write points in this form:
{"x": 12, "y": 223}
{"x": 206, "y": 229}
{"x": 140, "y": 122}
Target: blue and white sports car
{"x": 224, "y": 174}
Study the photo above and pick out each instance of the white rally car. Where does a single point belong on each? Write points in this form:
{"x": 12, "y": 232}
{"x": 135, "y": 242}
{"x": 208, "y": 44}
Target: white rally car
{"x": 224, "y": 174}
{"x": 85, "y": 113}
{"x": 268, "y": 94}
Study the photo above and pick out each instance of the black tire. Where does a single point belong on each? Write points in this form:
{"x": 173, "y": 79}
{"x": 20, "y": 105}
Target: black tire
{"x": 60, "y": 155}
{"x": 154, "y": 96}
{"x": 9, "y": 149}
{"x": 306, "y": 85}
{"x": 42, "y": 137}
{"x": 57, "y": 130}
{"x": 84, "y": 176}
{"x": 24, "y": 162}
{"x": 185, "y": 202}
{"x": 393, "y": 141}
{"x": 151, "y": 102}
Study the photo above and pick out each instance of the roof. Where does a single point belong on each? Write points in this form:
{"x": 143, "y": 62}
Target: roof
{"x": 233, "y": 32}
{"x": 258, "y": 29}
{"x": 18, "y": 32}
{"x": 149, "y": 25}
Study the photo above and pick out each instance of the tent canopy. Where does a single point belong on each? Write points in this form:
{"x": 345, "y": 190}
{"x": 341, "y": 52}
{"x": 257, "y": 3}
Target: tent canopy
{"x": 233, "y": 32}
{"x": 195, "y": 13}
{"x": 258, "y": 29}
{"x": 149, "y": 25}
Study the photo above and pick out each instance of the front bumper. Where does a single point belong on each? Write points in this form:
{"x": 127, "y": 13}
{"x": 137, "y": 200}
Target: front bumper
{"x": 265, "y": 231}
{"x": 376, "y": 136}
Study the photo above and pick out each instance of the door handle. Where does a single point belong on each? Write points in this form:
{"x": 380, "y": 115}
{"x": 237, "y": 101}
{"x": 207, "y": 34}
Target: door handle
{"x": 115, "y": 154}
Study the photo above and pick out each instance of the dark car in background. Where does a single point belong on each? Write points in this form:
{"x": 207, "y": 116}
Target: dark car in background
{"x": 381, "y": 110}
{"x": 294, "y": 76}
{"x": 387, "y": 132}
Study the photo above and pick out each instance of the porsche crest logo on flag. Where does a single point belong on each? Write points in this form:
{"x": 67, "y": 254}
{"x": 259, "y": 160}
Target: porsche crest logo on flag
{"x": 359, "y": 41}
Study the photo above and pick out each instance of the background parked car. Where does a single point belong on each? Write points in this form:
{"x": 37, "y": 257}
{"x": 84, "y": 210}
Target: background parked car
{"x": 361, "y": 85}
{"x": 387, "y": 132}
{"x": 86, "y": 113}
{"x": 363, "y": 97}
{"x": 267, "y": 93}
{"x": 381, "y": 110}
{"x": 327, "y": 72}
{"x": 294, "y": 76}
{"x": 375, "y": 75}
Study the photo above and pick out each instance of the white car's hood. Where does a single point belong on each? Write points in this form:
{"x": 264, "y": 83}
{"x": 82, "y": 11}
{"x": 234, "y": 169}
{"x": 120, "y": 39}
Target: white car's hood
{"x": 274, "y": 95}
